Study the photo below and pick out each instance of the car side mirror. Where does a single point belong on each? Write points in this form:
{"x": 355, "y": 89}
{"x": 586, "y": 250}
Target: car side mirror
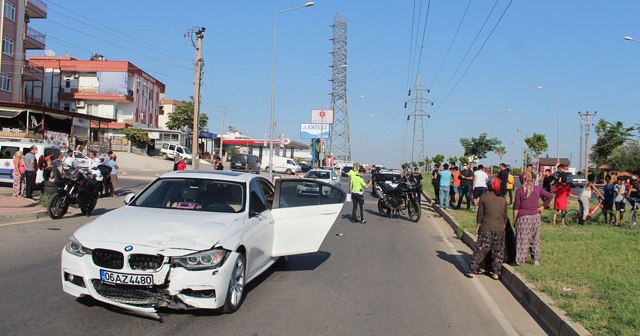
{"x": 128, "y": 198}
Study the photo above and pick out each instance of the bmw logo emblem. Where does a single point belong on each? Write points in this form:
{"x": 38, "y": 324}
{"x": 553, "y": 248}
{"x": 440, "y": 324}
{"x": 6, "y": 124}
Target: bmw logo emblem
{"x": 128, "y": 248}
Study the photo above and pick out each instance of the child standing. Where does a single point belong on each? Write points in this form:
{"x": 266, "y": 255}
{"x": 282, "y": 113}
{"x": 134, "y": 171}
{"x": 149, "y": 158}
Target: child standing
{"x": 563, "y": 192}
{"x": 620, "y": 192}
{"x": 609, "y": 195}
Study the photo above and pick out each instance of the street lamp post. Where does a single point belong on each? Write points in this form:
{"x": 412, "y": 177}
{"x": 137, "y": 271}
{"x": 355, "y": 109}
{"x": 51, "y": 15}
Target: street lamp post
{"x": 558, "y": 117}
{"x": 273, "y": 85}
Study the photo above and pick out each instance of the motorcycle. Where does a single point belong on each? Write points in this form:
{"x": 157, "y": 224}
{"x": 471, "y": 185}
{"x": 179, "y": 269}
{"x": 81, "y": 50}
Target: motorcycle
{"x": 102, "y": 174}
{"x": 77, "y": 189}
{"x": 398, "y": 198}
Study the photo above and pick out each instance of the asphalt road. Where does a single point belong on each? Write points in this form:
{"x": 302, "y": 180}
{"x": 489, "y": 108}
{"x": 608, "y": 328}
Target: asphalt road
{"x": 385, "y": 277}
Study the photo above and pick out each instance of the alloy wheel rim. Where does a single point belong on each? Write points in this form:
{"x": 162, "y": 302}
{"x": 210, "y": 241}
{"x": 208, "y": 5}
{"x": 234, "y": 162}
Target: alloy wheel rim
{"x": 237, "y": 285}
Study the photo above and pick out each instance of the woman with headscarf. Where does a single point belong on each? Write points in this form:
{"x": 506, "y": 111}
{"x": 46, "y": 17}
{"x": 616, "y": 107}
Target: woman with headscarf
{"x": 526, "y": 213}
{"x": 19, "y": 169}
{"x": 492, "y": 218}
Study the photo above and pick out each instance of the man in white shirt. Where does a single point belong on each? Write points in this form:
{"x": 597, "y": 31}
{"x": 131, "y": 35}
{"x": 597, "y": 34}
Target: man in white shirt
{"x": 94, "y": 161}
{"x": 69, "y": 160}
{"x": 480, "y": 179}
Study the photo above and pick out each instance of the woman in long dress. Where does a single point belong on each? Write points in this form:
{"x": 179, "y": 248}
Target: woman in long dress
{"x": 19, "y": 181}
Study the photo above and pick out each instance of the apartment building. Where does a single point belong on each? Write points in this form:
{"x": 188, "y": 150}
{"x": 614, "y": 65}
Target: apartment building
{"x": 17, "y": 38}
{"x": 98, "y": 87}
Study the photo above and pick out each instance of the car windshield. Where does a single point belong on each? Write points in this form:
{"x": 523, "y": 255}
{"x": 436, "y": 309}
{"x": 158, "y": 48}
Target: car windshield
{"x": 193, "y": 195}
{"x": 323, "y": 175}
{"x": 187, "y": 150}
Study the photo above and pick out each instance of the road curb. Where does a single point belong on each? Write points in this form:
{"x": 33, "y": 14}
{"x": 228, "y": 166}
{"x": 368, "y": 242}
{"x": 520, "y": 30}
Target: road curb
{"x": 539, "y": 304}
{"x": 22, "y": 216}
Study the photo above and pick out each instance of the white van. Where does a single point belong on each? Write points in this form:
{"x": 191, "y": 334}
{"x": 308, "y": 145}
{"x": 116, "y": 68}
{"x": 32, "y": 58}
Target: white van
{"x": 9, "y": 146}
{"x": 281, "y": 164}
{"x": 169, "y": 150}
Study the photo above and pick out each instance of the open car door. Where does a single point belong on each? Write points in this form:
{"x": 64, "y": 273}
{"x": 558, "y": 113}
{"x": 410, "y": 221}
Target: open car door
{"x": 303, "y": 211}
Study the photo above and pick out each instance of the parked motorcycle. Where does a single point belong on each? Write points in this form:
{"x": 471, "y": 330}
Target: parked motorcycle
{"x": 102, "y": 174}
{"x": 398, "y": 198}
{"x": 78, "y": 189}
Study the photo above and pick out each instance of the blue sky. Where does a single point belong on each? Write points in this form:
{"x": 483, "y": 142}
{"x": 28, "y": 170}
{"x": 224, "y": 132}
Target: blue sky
{"x": 573, "y": 47}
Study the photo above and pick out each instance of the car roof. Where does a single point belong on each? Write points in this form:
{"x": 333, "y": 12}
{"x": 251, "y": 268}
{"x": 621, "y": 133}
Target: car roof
{"x": 226, "y": 175}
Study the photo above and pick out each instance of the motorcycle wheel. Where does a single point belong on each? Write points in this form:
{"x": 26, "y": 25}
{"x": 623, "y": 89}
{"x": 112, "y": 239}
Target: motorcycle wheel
{"x": 88, "y": 207}
{"x": 56, "y": 207}
{"x": 382, "y": 209}
{"x": 414, "y": 210}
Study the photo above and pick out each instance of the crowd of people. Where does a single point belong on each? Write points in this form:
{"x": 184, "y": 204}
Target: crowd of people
{"x": 489, "y": 192}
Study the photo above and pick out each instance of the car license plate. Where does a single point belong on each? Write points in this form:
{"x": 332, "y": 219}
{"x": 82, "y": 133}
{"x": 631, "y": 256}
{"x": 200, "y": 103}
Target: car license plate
{"x": 126, "y": 279}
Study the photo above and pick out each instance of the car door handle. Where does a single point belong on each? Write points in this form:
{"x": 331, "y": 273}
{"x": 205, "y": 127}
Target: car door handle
{"x": 328, "y": 212}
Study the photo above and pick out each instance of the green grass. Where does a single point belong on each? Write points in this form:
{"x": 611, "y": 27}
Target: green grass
{"x": 600, "y": 264}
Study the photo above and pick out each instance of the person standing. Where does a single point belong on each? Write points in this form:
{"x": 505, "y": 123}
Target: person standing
{"x": 30, "y": 171}
{"x": 480, "y": 179}
{"x": 547, "y": 180}
{"x": 492, "y": 219}
{"x": 419, "y": 181}
{"x": 609, "y": 196}
{"x": 19, "y": 169}
{"x": 218, "y": 165}
{"x": 176, "y": 158}
{"x": 533, "y": 173}
{"x": 445, "y": 182}
{"x": 620, "y": 191}
{"x": 374, "y": 171}
{"x": 456, "y": 186}
{"x": 114, "y": 174}
{"x": 585, "y": 196}
{"x": 563, "y": 192}
{"x": 510, "y": 185}
{"x": 358, "y": 185}
{"x": 181, "y": 165}
{"x": 526, "y": 211}
{"x": 466, "y": 183}
{"x": 435, "y": 182}
{"x": 503, "y": 175}
{"x": 69, "y": 159}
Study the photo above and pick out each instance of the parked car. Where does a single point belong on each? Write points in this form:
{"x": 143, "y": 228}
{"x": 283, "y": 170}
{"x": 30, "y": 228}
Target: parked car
{"x": 578, "y": 181}
{"x": 248, "y": 163}
{"x": 169, "y": 150}
{"x": 9, "y": 146}
{"x": 282, "y": 165}
{"x": 194, "y": 240}
{"x": 324, "y": 175}
{"x": 345, "y": 170}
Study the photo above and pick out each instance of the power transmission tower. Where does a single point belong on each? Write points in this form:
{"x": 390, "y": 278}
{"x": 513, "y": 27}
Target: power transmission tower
{"x": 585, "y": 117}
{"x": 339, "y": 140}
{"x": 417, "y": 149}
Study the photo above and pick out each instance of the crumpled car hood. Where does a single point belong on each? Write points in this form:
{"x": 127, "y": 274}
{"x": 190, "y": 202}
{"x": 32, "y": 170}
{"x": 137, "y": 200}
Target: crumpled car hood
{"x": 160, "y": 228}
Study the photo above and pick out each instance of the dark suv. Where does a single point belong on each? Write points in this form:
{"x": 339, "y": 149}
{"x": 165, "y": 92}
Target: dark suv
{"x": 248, "y": 163}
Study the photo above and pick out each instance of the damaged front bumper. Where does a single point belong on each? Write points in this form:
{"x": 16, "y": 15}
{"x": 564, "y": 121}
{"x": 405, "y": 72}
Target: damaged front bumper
{"x": 173, "y": 287}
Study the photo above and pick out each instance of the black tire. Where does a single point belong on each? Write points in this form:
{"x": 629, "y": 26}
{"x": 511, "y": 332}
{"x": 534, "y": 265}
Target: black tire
{"x": 288, "y": 172}
{"x": 164, "y": 156}
{"x": 606, "y": 218}
{"x": 88, "y": 207}
{"x": 633, "y": 219}
{"x": 282, "y": 262}
{"x": 382, "y": 209}
{"x": 56, "y": 207}
{"x": 236, "y": 293}
{"x": 414, "y": 210}
{"x": 572, "y": 217}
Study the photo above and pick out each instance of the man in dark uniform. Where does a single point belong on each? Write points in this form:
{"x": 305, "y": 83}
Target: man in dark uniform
{"x": 466, "y": 181}
{"x": 435, "y": 181}
{"x": 419, "y": 181}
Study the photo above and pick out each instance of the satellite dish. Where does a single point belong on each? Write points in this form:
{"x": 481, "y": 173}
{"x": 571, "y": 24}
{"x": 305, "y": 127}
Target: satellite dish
{"x": 49, "y": 52}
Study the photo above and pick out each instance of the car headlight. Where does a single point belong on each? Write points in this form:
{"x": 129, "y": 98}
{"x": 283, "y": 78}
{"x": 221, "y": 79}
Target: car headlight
{"x": 201, "y": 260}
{"x": 74, "y": 247}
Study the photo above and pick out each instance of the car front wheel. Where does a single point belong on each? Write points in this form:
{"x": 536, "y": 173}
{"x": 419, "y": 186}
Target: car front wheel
{"x": 236, "y": 294}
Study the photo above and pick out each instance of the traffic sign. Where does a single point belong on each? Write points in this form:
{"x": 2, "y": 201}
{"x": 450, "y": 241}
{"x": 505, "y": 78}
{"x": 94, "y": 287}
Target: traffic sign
{"x": 322, "y": 116}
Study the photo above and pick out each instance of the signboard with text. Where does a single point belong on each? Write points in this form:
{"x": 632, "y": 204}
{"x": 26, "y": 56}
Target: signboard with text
{"x": 313, "y": 131}
{"x": 322, "y": 116}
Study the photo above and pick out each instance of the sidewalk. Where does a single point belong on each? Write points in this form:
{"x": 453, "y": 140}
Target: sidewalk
{"x": 14, "y": 210}
{"x": 538, "y": 304}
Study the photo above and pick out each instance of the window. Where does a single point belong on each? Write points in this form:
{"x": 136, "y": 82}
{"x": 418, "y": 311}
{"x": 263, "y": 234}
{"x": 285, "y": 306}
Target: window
{"x": 6, "y": 82}
{"x": 10, "y": 11}
{"x": 7, "y": 46}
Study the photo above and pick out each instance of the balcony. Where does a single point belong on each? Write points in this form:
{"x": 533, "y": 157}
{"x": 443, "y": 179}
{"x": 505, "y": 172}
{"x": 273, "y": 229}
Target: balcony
{"x": 34, "y": 40}
{"x": 32, "y": 73}
{"x": 36, "y": 9}
{"x": 91, "y": 93}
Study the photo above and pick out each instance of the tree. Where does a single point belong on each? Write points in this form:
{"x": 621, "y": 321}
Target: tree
{"x": 137, "y": 136}
{"x": 452, "y": 160}
{"x": 500, "y": 152}
{"x": 438, "y": 158}
{"x": 463, "y": 160}
{"x": 537, "y": 143}
{"x": 610, "y": 137}
{"x": 478, "y": 148}
{"x": 625, "y": 158}
{"x": 183, "y": 116}
{"x": 427, "y": 164}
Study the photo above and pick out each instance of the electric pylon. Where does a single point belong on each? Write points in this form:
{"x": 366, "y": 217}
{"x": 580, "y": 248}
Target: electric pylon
{"x": 418, "y": 114}
{"x": 339, "y": 140}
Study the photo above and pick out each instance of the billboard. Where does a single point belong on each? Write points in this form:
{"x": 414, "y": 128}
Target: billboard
{"x": 313, "y": 131}
{"x": 322, "y": 116}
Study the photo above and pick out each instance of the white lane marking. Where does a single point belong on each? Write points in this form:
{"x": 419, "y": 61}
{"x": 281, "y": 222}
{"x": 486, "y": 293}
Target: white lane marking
{"x": 488, "y": 300}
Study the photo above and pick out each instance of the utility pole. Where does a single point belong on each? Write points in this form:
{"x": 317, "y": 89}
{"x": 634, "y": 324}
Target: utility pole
{"x": 196, "y": 99}
{"x": 585, "y": 116}
{"x": 417, "y": 148}
{"x": 221, "y": 133}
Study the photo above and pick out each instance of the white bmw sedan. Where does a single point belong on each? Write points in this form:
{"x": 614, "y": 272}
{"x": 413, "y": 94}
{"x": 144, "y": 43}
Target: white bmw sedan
{"x": 194, "y": 239}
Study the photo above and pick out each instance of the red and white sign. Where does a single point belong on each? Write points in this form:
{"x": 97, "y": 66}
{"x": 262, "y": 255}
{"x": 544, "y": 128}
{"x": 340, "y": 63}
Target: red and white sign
{"x": 322, "y": 116}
